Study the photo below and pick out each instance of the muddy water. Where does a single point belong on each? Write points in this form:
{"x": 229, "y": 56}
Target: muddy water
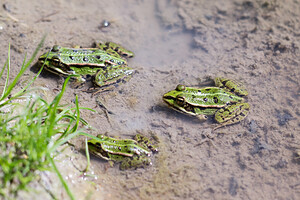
{"x": 184, "y": 42}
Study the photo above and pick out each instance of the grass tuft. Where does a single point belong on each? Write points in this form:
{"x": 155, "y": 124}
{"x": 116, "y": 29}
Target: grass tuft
{"x": 28, "y": 125}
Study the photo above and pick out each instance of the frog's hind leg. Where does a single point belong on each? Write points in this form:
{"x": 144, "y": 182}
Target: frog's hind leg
{"x": 106, "y": 80}
{"x": 109, "y": 50}
{"x": 111, "y": 47}
{"x": 231, "y": 114}
{"x": 135, "y": 162}
{"x": 231, "y": 85}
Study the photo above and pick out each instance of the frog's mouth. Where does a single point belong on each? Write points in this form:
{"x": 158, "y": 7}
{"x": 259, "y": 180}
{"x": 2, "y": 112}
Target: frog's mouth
{"x": 98, "y": 151}
{"x": 183, "y": 108}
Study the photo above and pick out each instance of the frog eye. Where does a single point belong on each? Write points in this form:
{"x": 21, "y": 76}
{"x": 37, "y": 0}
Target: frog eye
{"x": 180, "y": 100}
{"x": 56, "y": 57}
{"x": 55, "y": 60}
{"x": 56, "y": 48}
{"x": 180, "y": 87}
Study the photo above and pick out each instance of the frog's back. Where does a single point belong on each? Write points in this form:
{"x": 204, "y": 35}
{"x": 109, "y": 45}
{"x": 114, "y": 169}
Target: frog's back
{"x": 210, "y": 97}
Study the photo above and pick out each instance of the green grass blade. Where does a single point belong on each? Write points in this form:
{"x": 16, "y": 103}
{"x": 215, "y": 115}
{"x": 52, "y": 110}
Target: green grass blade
{"x": 52, "y": 113}
{"x": 23, "y": 69}
{"x": 87, "y": 156}
{"x": 7, "y": 65}
{"x": 26, "y": 142}
{"x": 64, "y": 140}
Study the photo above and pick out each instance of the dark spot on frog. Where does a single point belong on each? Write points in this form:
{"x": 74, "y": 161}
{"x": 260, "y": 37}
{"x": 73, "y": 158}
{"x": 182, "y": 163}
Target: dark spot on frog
{"x": 224, "y": 82}
{"x": 71, "y": 57}
{"x": 85, "y": 59}
{"x": 205, "y": 99}
{"x": 232, "y": 90}
{"x": 216, "y": 99}
{"x": 98, "y": 57}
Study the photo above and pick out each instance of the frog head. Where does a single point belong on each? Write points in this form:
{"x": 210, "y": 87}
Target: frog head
{"x": 176, "y": 99}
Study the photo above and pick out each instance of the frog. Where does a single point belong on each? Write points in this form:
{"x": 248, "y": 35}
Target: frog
{"x": 104, "y": 64}
{"x": 130, "y": 153}
{"x": 225, "y": 101}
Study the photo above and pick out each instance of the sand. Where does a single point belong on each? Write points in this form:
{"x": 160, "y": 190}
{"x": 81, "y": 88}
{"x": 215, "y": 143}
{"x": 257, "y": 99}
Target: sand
{"x": 187, "y": 41}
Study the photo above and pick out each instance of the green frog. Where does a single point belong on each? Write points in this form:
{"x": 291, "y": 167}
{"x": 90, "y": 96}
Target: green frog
{"x": 104, "y": 63}
{"x": 225, "y": 101}
{"x": 130, "y": 153}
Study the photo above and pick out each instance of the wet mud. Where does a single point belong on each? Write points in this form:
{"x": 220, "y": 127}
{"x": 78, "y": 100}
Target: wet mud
{"x": 186, "y": 42}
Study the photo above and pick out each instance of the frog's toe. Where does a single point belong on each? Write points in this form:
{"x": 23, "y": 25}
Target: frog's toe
{"x": 202, "y": 117}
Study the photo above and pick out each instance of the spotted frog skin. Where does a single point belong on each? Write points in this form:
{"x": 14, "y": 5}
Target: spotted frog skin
{"x": 130, "y": 153}
{"x": 103, "y": 63}
{"x": 225, "y": 101}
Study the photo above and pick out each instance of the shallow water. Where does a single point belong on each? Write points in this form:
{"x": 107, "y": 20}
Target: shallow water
{"x": 180, "y": 42}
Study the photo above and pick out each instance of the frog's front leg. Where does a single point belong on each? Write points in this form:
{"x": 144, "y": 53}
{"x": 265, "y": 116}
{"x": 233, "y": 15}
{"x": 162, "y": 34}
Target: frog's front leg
{"x": 202, "y": 114}
{"x": 78, "y": 80}
{"x": 231, "y": 114}
{"x": 202, "y": 117}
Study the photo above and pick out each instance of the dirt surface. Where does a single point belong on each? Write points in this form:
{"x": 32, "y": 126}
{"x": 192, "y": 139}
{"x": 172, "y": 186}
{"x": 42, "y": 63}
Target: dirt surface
{"x": 255, "y": 42}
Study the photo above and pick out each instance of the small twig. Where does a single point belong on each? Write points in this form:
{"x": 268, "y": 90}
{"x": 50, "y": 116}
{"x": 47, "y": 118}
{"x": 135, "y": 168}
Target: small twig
{"x": 12, "y": 17}
{"x": 44, "y": 17}
{"x": 105, "y": 110}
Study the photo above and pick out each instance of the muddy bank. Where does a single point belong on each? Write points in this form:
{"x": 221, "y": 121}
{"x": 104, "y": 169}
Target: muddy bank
{"x": 255, "y": 42}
